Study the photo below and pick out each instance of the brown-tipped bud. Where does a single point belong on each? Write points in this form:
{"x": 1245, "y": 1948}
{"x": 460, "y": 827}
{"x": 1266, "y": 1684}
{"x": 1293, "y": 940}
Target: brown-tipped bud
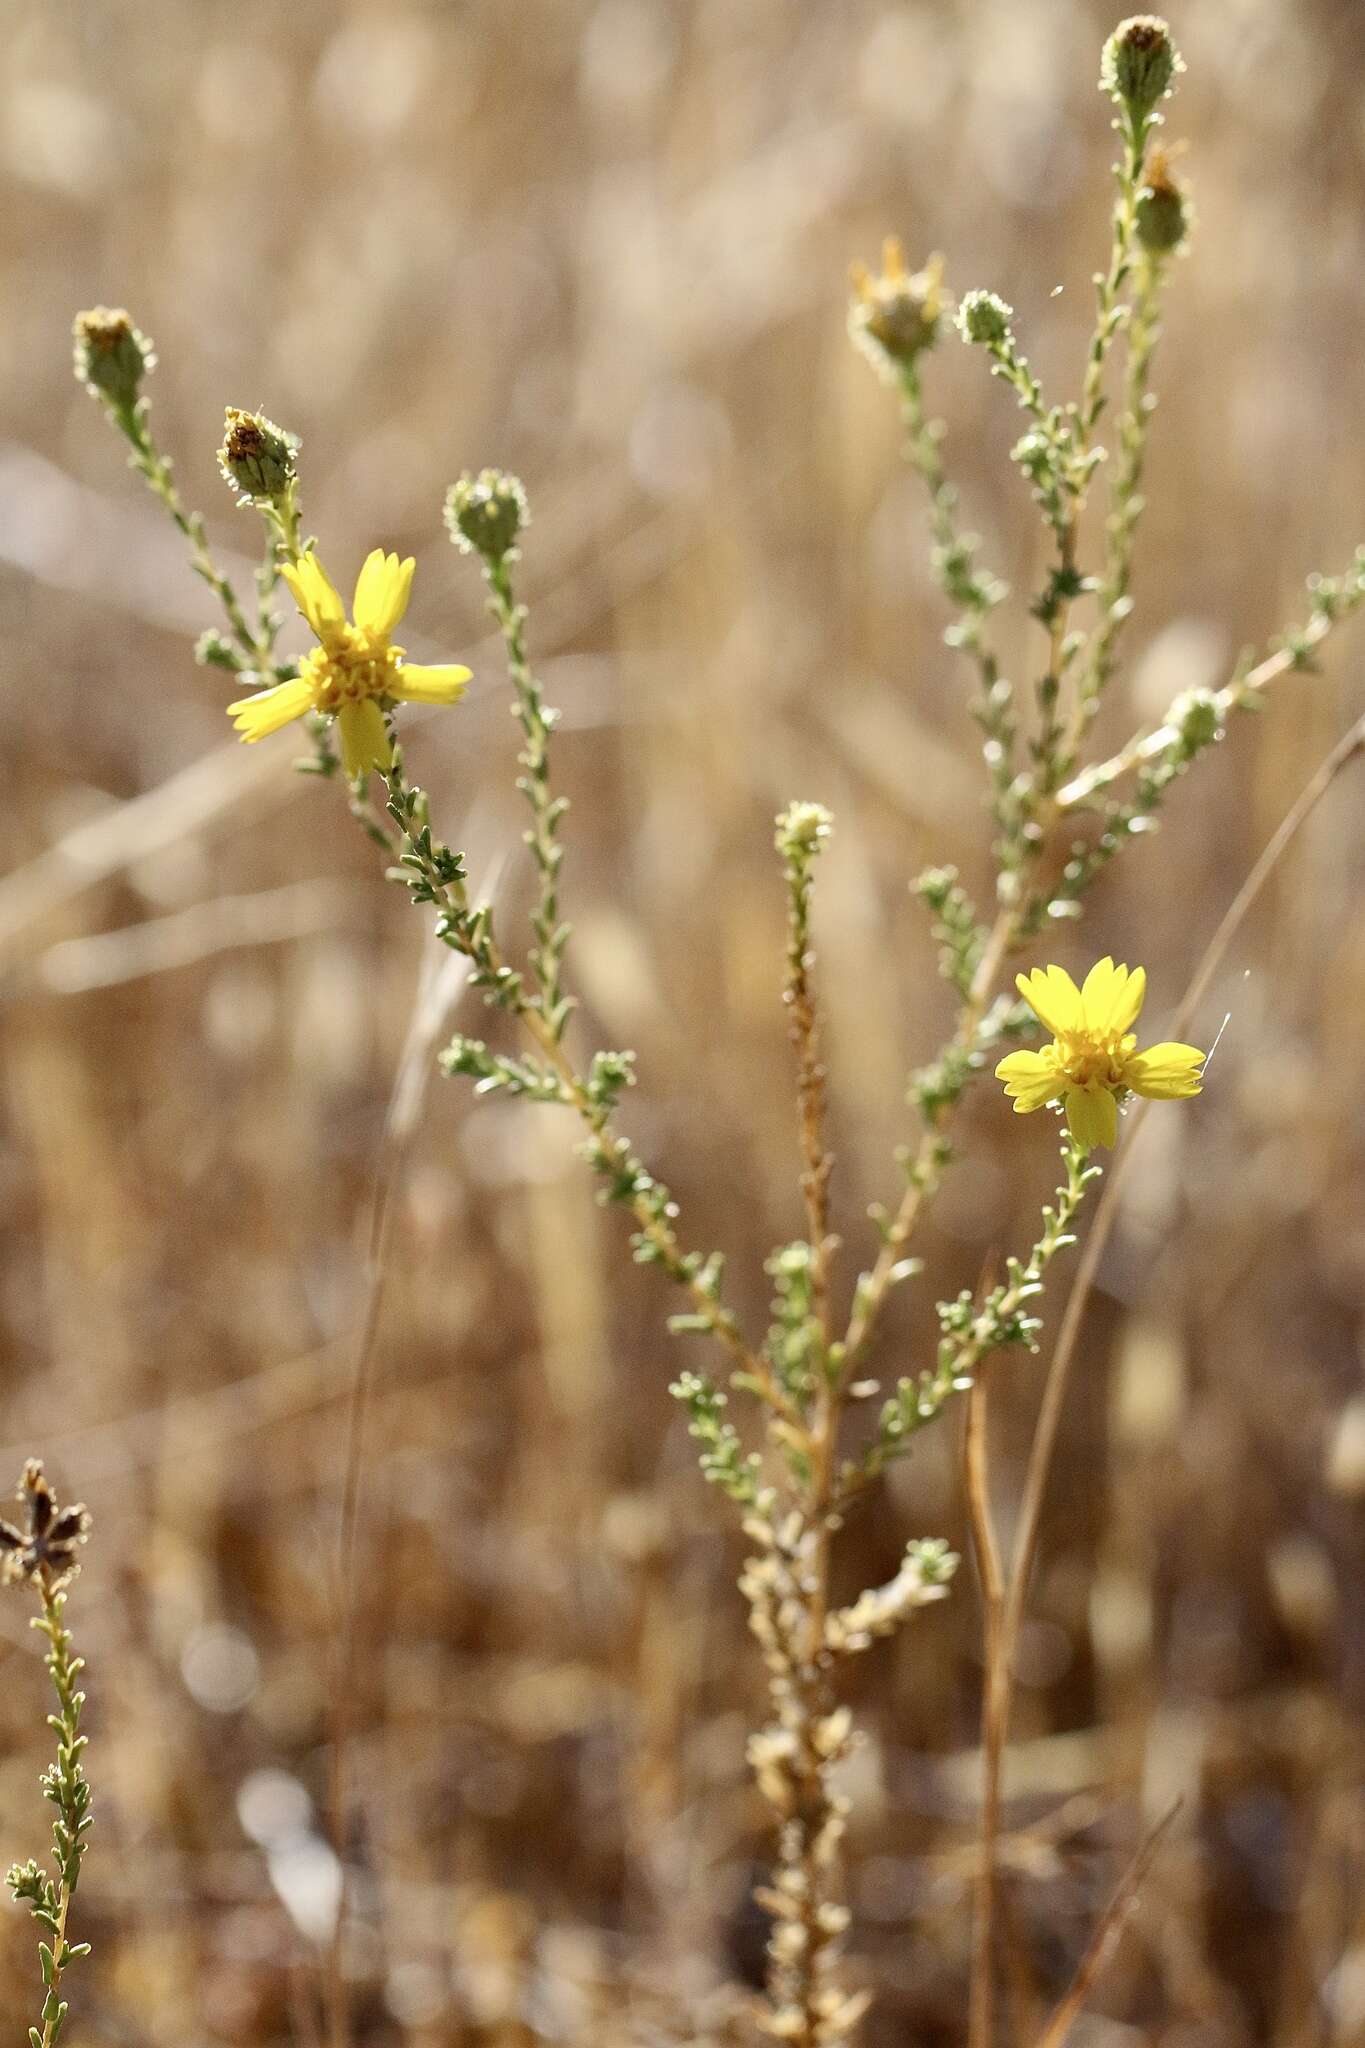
{"x": 1162, "y": 215}
{"x": 258, "y": 459}
{"x": 1139, "y": 64}
{"x": 486, "y": 513}
{"x": 111, "y": 356}
{"x": 896, "y": 315}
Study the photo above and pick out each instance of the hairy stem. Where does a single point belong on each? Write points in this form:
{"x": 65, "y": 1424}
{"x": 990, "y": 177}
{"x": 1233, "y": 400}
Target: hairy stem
{"x": 538, "y": 721}
{"x": 147, "y": 459}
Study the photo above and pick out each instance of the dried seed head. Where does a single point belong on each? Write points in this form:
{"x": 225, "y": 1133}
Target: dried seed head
{"x": 1139, "y": 64}
{"x": 486, "y": 513}
{"x": 48, "y": 1548}
{"x": 258, "y": 459}
{"x": 111, "y": 357}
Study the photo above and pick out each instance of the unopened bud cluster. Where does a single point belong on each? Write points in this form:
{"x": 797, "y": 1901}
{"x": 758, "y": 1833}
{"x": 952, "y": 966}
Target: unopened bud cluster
{"x": 802, "y": 830}
{"x": 111, "y": 356}
{"x": 984, "y": 318}
{"x": 486, "y": 513}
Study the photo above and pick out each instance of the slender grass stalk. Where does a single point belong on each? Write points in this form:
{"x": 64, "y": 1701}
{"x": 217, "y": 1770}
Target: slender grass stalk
{"x": 1106, "y": 1934}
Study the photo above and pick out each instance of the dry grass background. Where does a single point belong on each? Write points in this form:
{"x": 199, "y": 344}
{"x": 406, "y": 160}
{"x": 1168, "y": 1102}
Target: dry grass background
{"x": 605, "y": 244}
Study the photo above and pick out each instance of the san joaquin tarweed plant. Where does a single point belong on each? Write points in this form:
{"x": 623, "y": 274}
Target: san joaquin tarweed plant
{"x": 811, "y": 1432}
{"x": 43, "y": 1553}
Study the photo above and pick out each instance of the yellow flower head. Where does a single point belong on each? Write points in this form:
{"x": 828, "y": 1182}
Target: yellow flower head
{"x": 1093, "y": 1063}
{"x": 354, "y": 670}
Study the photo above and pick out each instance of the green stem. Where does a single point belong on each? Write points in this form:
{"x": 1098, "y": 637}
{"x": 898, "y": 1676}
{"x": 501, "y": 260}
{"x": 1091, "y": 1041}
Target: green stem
{"x": 538, "y": 721}
{"x": 1126, "y": 503}
{"x": 970, "y": 1335}
{"x": 435, "y": 875}
{"x": 131, "y": 421}
{"x": 1109, "y": 312}
{"x": 64, "y": 1783}
{"x": 973, "y": 593}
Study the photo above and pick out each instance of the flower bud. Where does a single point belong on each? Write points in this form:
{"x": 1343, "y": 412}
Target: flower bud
{"x": 802, "y": 830}
{"x": 111, "y": 357}
{"x": 1161, "y": 215}
{"x": 258, "y": 459}
{"x": 895, "y": 316}
{"x": 985, "y": 319}
{"x": 1139, "y": 64}
{"x": 1198, "y": 718}
{"x": 486, "y": 513}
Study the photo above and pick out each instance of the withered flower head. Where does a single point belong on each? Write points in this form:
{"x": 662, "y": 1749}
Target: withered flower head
{"x": 895, "y": 315}
{"x": 47, "y": 1549}
{"x": 1161, "y": 215}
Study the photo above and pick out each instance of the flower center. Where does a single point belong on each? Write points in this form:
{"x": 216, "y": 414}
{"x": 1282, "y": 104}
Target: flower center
{"x": 351, "y": 667}
{"x": 1093, "y": 1063}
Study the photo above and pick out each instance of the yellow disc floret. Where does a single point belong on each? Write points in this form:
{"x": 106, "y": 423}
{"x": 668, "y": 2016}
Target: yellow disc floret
{"x": 1093, "y": 1063}
{"x": 355, "y": 672}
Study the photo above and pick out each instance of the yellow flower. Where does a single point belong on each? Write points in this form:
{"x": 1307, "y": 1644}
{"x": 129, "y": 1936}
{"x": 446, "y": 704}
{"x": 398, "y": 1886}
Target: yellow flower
{"x": 1093, "y": 1063}
{"x": 354, "y": 670}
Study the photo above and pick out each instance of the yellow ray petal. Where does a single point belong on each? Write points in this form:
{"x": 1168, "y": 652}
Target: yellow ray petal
{"x": 1030, "y": 1079}
{"x": 381, "y": 591}
{"x": 1053, "y": 997}
{"x": 266, "y": 711}
{"x": 364, "y": 737}
{"x": 1111, "y": 998}
{"x": 1092, "y": 1115}
{"x": 315, "y": 594}
{"x": 416, "y": 684}
{"x": 1128, "y": 1000}
{"x": 1097, "y": 995}
{"x": 1168, "y": 1072}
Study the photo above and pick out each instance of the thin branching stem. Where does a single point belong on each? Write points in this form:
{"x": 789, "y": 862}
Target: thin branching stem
{"x": 538, "y": 721}
{"x": 148, "y": 460}
{"x": 1126, "y": 502}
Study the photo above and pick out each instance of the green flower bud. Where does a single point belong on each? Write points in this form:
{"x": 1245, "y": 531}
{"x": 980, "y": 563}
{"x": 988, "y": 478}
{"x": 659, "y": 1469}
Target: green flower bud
{"x": 802, "y": 830}
{"x": 111, "y": 357}
{"x": 1198, "y": 717}
{"x": 985, "y": 319}
{"x": 1162, "y": 215}
{"x": 1139, "y": 64}
{"x": 486, "y": 513}
{"x": 257, "y": 458}
{"x": 894, "y": 317}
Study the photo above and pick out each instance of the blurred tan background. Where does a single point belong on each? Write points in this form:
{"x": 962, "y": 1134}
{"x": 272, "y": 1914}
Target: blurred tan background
{"x": 607, "y": 245}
